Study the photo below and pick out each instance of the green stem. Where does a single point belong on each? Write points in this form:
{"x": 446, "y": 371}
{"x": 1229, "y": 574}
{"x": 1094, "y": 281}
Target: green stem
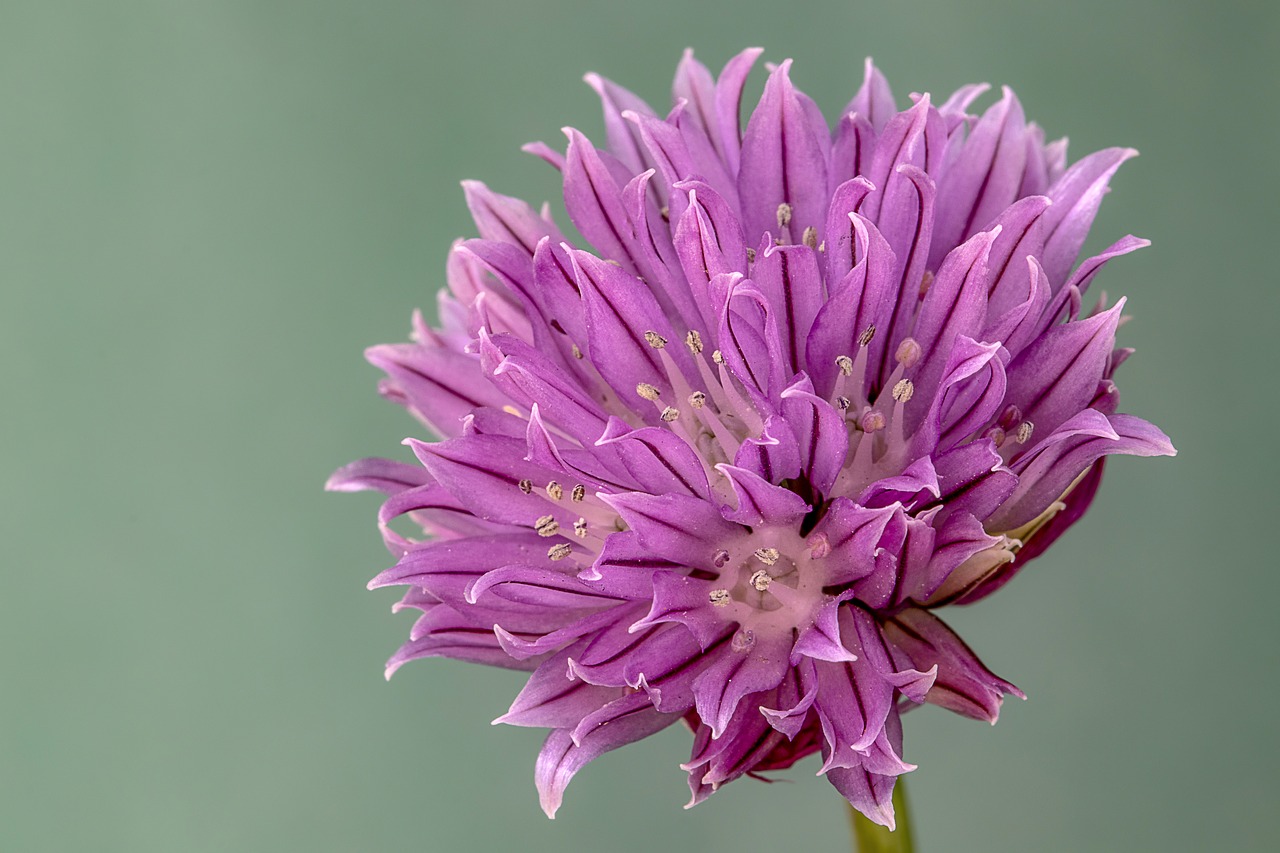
{"x": 871, "y": 837}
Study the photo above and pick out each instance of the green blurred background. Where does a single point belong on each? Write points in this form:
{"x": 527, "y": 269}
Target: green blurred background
{"x": 207, "y": 210}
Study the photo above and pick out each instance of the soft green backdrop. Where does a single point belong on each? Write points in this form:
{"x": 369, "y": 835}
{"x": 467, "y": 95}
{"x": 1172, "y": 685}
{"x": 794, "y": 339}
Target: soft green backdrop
{"x": 207, "y": 209}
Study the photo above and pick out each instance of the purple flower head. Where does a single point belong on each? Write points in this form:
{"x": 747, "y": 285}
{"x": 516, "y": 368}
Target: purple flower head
{"x": 807, "y": 387}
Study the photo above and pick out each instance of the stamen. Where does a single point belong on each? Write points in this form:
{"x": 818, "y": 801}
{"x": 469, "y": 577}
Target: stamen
{"x": 810, "y": 237}
{"x": 926, "y": 281}
{"x": 580, "y": 528}
{"x": 908, "y": 354}
{"x": 719, "y": 598}
{"x": 903, "y": 390}
{"x": 761, "y": 580}
{"x": 845, "y": 364}
{"x": 655, "y": 340}
{"x": 720, "y": 558}
{"x": 554, "y": 490}
{"x": 1010, "y": 416}
{"x": 647, "y": 391}
{"x": 547, "y": 526}
{"x": 768, "y": 556}
{"x": 822, "y": 247}
{"x": 872, "y": 422}
{"x": 819, "y": 546}
{"x": 577, "y": 353}
{"x": 751, "y": 255}
{"x": 843, "y": 403}
{"x": 665, "y": 213}
{"x": 717, "y": 357}
{"x": 670, "y": 413}
{"x": 784, "y": 215}
{"x": 867, "y": 334}
{"x": 526, "y": 486}
{"x": 1025, "y": 429}
{"x": 697, "y": 399}
{"x": 579, "y": 492}
{"x": 743, "y": 640}
{"x": 996, "y": 434}
{"x": 693, "y": 341}
{"x": 559, "y": 551}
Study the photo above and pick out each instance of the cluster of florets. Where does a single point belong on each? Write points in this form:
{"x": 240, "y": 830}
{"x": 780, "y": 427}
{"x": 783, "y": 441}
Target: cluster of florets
{"x": 808, "y": 387}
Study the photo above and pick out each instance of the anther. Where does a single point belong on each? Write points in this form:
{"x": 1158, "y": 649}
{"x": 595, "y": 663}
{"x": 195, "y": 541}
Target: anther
{"x": 867, "y": 334}
{"x": 720, "y": 558}
{"x": 1024, "y": 431}
{"x": 717, "y": 357}
{"x": 822, "y": 247}
{"x": 580, "y": 528}
{"x": 526, "y": 486}
{"x": 559, "y": 551}
{"x": 926, "y": 281}
{"x": 647, "y": 391}
{"x": 908, "y": 354}
{"x": 693, "y": 341}
{"x": 743, "y": 640}
{"x": 555, "y": 491}
{"x": 655, "y": 340}
{"x": 996, "y": 434}
{"x": 579, "y": 492}
{"x": 810, "y": 237}
{"x": 697, "y": 399}
{"x": 768, "y": 556}
{"x": 845, "y": 364}
{"x": 872, "y": 422}
{"x": 1010, "y": 416}
{"x": 784, "y": 215}
{"x": 547, "y": 526}
{"x": 719, "y": 598}
{"x": 903, "y": 390}
{"x": 843, "y": 403}
{"x": 751, "y": 255}
{"x": 577, "y": 353}
{"x": 761, "y": 580}
{"x": 666, "y": 213}
{"x": 670, "y": 413}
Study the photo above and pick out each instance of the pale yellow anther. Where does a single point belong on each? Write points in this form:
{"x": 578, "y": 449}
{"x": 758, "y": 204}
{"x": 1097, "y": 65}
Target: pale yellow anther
{"x": 693, "y": 341}
{"x": 555, "y": 491}
{"x": 843, "y": 403}
{"x": 810, "y": 237}
{"x": 697, "y": 399}
{"x": 845, "y": 364}
{"x": 670, "y": 413}
{"x": 647, "y": 391}
{"x": 717, "y": 357}
{"x": 719, "y": 597}
{"x": 559, "y": 551}
{"x": 577, "y": 353}
{"x": 903, "y": 390}
{"x": 1025, "y": 429}
{"x": 867, "y": 334}
{"x": 761, "y": 580}
{"x": 665, "y": 212}
{"x": 526, "y": 486}
{"x": 580, "y": 528}
{"x": 768, "y": 556}
{"x": 655, "y": 340}
{"x": 926, "y": 281}
{"x": 908, "y": 354}
{"x": 751, "y": 255}
{"x": 784, "y": 215}
{"x": 579, "y": 492}
{"x": 547, "y": 526}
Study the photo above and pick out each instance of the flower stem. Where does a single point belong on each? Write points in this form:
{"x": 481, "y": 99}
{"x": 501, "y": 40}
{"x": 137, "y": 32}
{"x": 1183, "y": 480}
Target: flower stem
{"x": 869, "y": 837}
